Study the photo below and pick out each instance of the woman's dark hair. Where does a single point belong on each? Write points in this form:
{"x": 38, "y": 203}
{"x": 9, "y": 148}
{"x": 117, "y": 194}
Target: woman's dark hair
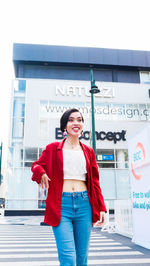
{"x": 65, "y": 117}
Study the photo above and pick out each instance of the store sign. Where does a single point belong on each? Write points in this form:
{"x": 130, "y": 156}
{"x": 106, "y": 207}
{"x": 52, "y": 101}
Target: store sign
{"x": 102, "y": 135}
{"x": 70, "y": 90}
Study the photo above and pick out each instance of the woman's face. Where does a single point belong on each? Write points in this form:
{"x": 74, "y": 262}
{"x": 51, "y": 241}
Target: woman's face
{"x": 75, "y": 124}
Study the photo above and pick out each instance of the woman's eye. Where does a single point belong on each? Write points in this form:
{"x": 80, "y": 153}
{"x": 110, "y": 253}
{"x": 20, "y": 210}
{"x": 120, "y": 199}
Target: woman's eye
{"x": 71, "y": 120}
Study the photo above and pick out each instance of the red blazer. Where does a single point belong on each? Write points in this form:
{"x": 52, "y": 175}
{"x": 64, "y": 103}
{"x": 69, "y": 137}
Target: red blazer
{"x": 51, "y": 163}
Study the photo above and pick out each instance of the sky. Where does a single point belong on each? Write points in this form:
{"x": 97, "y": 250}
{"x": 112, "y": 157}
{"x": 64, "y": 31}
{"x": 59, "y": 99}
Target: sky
{"x": 119, "y": 24}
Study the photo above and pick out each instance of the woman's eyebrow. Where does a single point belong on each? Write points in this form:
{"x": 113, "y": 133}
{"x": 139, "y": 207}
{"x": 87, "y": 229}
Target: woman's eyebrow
{"x": 74, "y": 117}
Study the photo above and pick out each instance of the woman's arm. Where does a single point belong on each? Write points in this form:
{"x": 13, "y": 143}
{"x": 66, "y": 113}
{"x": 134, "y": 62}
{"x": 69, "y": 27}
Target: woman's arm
{"x": 95, "y": 175}
{"x": 39, "y": 167}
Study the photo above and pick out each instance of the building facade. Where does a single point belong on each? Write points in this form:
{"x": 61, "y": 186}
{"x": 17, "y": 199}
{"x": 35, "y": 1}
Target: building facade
{"x": 51, "y": 79}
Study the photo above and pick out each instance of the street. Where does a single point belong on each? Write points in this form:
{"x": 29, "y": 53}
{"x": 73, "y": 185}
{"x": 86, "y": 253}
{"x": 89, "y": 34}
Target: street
{"x": 33, "y": 245}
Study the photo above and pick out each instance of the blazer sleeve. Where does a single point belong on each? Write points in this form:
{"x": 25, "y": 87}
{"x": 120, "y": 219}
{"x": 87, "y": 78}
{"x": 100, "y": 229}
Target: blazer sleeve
{"x": 95, "y": 176}
{"x": 39, "y": 167}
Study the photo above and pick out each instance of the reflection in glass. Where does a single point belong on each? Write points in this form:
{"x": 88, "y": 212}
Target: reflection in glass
{"x": 28, "y": 164}
{"x": 31, "y": 154}
{"x": 102, "y": 111}
{"x": 18, "y": 128}
{"x": 15, "y": 183}
{"x": 15, "y": 155}
{"x": 40, "y": 151}
{"x": 145, "y": 77}
{"x": 42, "y": 194}
{"x": 10, "y": 157}
{"x": 132, "y": 112}
{"x": 30, "y": 191}
{"x": 19, "y": 107}
{"x": 143, "y": 112}
{"x": 148, "y": 111}
{"x": 122, "y": 184}
{"x": 41, "y": 204}
{"x": 19, "y": 85}
{"x": 118, "y": 112}
{"x": 108, "y": 183}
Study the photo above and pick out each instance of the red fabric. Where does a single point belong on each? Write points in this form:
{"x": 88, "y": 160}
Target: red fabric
{"x": 51, "y": 163}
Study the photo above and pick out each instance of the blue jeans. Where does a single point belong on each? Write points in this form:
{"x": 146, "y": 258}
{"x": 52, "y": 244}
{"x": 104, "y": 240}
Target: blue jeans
{"x": 73, "y": 233}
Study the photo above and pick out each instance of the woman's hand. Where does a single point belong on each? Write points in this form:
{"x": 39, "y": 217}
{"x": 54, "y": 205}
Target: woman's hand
{"x": 44, "y": 181}
{"x": 102, "y": 220}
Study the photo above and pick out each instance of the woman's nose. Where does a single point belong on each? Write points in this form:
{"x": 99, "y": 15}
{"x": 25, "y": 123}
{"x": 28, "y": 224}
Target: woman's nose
{"x": 76, "y": 123}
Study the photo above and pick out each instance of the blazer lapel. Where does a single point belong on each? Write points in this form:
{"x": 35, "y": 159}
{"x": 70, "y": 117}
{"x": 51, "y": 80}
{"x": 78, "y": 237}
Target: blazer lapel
{"x": 59, "y": 157}
{"x": 86, "y": 154}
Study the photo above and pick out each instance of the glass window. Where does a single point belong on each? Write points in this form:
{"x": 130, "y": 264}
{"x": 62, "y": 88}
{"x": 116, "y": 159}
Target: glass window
{"x": 22, "y": 85}
{"x": 41, "y": 204}
{"x": 10, "y": 157}
{"x": 132, "y": 112}
{"x": 16, "y": 155}
{"x": 30, "y": 188}
{"x": 15, "y": 85}
{"x": 18, "y": 128}
{"x": 118, "y": 112}
{"x": 148, "y": 111}
{"x": 31, "y": 154}
{"x": 102, "y": 111}
{"x": 15, "y": 184}
{"x": 42, "y": 194}
{"x": 105, "y": 158}
{"x": 28, "y": 164}
{"x": 19, "y": 107}
{"x": 19, "y": 85}
{"x": 145, "y": 77}
{"x": 122, "y": 184}
{"x": 40, "y": 151}
{"x": 23, "y": 110}
{"x": 108, "y": 183}
{"x": 144, "y": 112}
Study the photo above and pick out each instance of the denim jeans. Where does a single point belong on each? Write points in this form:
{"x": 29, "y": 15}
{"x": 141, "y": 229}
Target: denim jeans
{"x": 73, "y": 233}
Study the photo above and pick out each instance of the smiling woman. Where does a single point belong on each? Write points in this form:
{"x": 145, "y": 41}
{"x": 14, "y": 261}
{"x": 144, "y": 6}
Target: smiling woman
{"x": 68, "y": 169}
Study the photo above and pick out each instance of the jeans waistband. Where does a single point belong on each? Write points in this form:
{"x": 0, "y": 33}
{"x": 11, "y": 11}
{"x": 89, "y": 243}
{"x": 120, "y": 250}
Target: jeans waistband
{"x": 72, "y": 194}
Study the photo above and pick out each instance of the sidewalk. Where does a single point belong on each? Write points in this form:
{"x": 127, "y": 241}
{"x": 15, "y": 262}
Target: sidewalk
{"x": 21, "y": 220}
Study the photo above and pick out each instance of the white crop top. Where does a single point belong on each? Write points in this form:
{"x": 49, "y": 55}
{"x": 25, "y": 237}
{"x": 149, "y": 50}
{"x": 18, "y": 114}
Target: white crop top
{"x": 74, "y": 164}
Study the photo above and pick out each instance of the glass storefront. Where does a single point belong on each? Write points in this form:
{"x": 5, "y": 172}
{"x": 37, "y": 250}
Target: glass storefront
{"x": 114, "y": 177}
{"x": 22, "y": 192}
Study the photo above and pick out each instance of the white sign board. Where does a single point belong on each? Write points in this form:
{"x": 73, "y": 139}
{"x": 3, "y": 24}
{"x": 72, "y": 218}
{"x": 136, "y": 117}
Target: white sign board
{"x": 139, "y": 160}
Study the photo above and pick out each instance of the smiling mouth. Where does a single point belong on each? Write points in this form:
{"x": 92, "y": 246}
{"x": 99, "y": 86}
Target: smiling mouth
{"x": 75, "y": 128}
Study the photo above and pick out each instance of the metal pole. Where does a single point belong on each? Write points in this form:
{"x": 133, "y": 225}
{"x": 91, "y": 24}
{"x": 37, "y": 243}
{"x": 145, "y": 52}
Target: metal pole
{"x": 93, "y": 118}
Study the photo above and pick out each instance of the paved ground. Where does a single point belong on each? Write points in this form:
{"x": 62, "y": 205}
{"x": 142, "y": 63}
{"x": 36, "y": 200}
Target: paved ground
{"x": 24, "y": 242}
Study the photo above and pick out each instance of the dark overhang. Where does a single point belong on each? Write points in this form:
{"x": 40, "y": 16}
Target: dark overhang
{"x": 51, "y": 55}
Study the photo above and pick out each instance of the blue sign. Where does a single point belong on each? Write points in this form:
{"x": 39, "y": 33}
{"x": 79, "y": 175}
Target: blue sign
{"x": 107, "y": 157}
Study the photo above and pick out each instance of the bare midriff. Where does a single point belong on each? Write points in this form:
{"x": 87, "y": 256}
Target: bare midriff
{"x": 74, "y": 185}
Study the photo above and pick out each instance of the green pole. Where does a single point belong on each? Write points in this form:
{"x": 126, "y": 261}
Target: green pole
{"x": 1, "y": 162}
{"x": 93, "y": 118}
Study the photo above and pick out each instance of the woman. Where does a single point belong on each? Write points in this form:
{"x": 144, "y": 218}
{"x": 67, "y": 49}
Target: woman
{"x": 68, "y": 169}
